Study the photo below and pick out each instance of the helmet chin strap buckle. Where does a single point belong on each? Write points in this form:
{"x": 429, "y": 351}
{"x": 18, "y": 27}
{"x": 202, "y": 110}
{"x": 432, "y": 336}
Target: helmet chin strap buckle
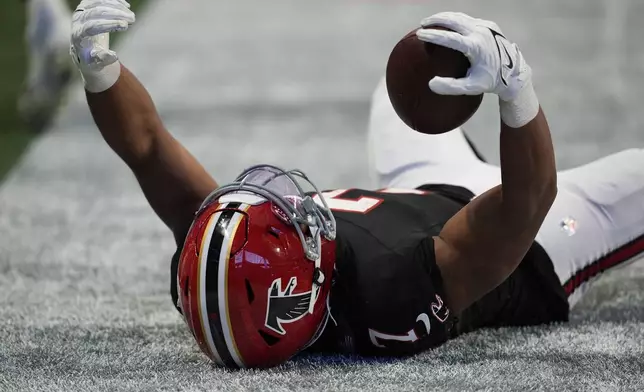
{"x": 318, "y": 277}
{"x": 330, "y": 236}
{"x": 312, "y": 252}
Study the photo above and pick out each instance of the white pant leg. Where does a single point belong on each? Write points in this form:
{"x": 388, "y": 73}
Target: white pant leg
{"x": 597, "y": 220}
{"x": 403, "y": 158}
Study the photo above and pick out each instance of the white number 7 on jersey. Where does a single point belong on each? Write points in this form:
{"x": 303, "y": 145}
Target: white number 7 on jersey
{"x": 361, "y": 205}
{"x": 411, "y": 336}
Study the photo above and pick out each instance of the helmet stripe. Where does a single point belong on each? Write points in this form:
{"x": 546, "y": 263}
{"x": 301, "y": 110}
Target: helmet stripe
{"x": 203, "y": 261}
{"x": 224, "y": 258}
{"x": 214, "y": 318}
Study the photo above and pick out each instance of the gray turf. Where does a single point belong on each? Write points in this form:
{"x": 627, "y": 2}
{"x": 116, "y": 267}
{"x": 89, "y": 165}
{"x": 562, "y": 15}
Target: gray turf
{"x": 84, "y": 302}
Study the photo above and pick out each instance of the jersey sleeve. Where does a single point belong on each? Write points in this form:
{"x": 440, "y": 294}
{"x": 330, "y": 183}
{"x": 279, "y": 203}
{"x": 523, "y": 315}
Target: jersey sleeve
{"x": 397, "y": 304}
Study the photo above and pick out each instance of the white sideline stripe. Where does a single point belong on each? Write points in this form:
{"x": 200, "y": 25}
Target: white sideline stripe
{"x": 203, "y": 261}
{"x": 224, "y": 257}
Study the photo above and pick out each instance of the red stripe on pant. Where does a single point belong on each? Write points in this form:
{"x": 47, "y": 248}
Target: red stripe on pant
{"x": 613, "y": 259}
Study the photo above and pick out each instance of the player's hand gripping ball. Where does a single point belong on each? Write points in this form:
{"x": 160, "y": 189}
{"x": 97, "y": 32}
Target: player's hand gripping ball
{"x": 460, "y": 58}
{"x": 412, "y": 64}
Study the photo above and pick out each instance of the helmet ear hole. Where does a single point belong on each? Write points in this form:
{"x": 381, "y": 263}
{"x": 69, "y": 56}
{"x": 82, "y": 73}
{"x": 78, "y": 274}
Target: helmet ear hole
{"x": 249, "y": 292}
{"x": 274, "y": 232}
{"x": 269, "y": 339}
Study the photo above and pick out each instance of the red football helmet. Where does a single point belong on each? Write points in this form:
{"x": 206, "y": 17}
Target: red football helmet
{"x": 255, "y": 270}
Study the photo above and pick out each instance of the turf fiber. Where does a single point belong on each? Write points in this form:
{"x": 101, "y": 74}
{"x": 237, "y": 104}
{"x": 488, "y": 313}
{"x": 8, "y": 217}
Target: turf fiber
{"x": 84, "y": 263}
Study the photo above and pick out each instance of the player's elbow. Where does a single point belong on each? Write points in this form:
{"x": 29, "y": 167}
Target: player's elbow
{"x": 541, "y": 187}
{"x": 530, "y": 204}
{"x": 542, "y": 200}
{"x": 550, "y": 191}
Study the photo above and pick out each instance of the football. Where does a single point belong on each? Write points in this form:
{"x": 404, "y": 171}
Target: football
{"x": 411, "y": 65}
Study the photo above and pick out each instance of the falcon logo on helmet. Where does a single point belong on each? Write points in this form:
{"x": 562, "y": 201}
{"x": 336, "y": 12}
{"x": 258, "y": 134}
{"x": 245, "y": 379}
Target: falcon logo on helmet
{"x": 284, "y": 306}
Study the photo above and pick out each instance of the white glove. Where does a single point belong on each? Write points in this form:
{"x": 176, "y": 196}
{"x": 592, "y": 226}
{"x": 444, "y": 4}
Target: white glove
{"x": 92, "y": 22}
{"x": 497, "y": 65}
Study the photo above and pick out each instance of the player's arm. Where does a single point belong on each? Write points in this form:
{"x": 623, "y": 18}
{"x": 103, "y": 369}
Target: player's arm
{"x": 172, "y": 180}
{"x": 483, "y": 244}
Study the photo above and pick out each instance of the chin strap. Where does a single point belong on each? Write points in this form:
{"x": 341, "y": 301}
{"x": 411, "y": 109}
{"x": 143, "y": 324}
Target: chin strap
{"x": 328, "y": 310}
{"x": 318, "y": 275}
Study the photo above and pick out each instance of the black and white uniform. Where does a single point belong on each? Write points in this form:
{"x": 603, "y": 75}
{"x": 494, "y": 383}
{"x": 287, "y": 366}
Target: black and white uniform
{"x": 596, "y": 222}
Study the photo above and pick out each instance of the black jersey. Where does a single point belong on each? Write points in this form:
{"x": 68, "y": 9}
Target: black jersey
{"x": 387, "y": 296}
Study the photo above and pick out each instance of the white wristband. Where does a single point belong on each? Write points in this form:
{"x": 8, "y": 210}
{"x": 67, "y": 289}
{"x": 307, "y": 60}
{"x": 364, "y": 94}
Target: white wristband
{"x": 99, "y": 81}
{"x": 522, "y": 109}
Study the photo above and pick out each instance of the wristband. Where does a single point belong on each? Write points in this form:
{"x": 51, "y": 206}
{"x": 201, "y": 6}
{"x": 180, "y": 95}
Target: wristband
{"x": 522, "y": 109}
{"x": 99, "y": 81}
